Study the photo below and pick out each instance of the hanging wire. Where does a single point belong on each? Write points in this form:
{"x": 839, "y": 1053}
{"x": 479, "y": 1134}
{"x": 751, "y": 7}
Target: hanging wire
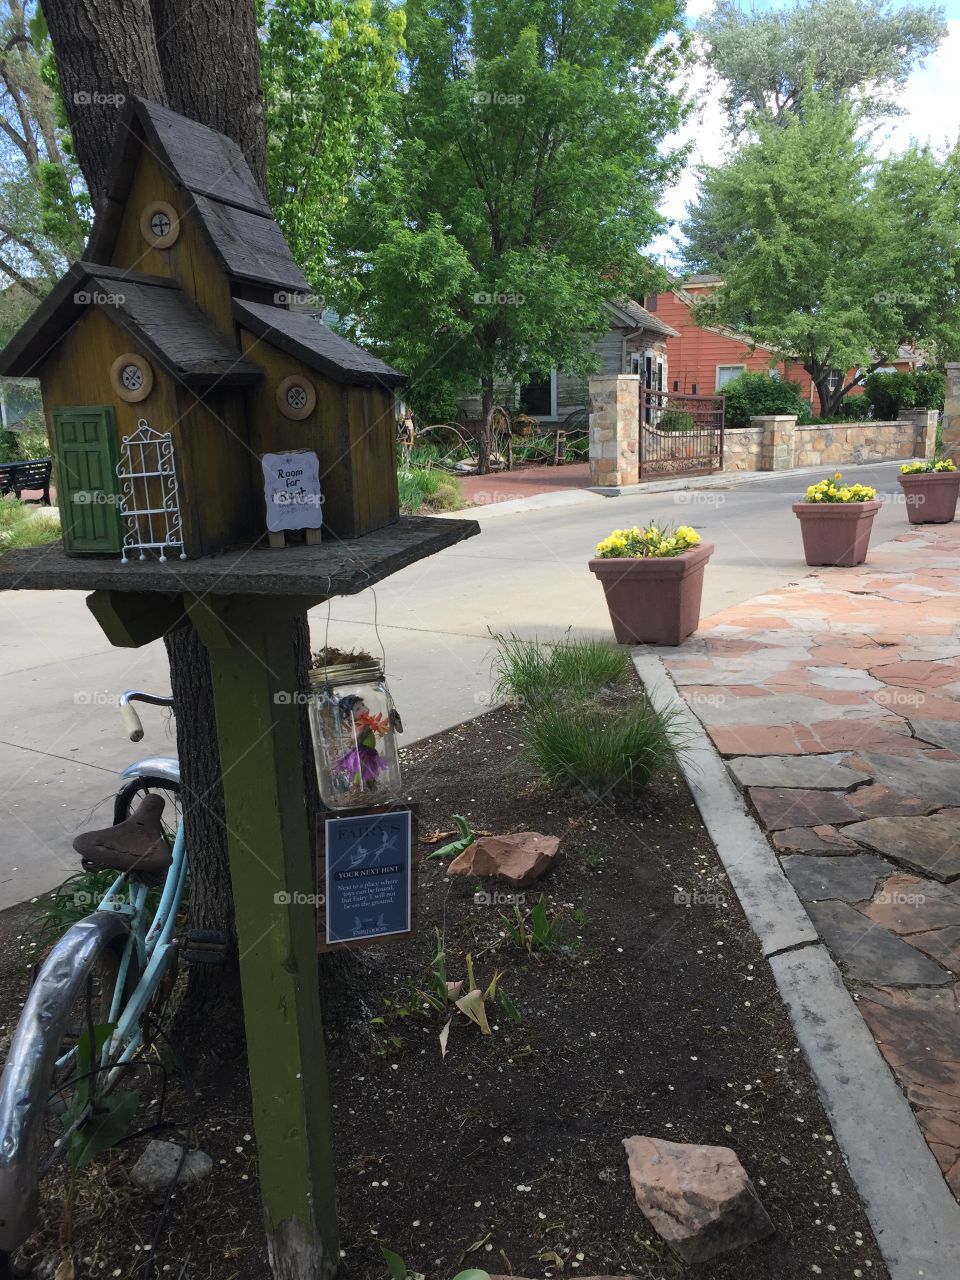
{"x": 376, "y": 630}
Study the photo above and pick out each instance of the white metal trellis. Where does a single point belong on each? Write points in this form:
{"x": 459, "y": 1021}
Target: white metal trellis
{"x": 150, "y": 501}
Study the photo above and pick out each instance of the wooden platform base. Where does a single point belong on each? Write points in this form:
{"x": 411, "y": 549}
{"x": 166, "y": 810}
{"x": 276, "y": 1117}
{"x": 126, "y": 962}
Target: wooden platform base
{"x": 333, "y": 568}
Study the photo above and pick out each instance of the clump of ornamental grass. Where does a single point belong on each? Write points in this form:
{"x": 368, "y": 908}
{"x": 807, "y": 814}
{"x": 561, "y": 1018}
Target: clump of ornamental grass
{"x": 528, "y": 672}
{"x": 428, "y": 489}
{"x": 602, "y": 749}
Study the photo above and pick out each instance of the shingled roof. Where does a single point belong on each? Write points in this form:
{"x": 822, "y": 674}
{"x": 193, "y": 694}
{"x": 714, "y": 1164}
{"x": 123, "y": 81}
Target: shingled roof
{"x": 302, "y": 336}
{"x": 226, "y": 200}
{"x": 630, "y": 314}
{"x": 154, "y": 311}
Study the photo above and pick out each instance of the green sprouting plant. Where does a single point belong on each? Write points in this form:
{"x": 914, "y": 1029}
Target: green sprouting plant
{"x": 531, "y": 672}
{"x": 535, "y": 930}
{"x": 602, "y": 749}
{"x": 53, "y": 913}
{"x": 439, "y": 993}
{"x": 436, "y": 989}
{"x": 591, "y": 854}
{"x": 465, "y": 839}
{"x": 92, "y": 1122}
{"x": 398, "y": 1269}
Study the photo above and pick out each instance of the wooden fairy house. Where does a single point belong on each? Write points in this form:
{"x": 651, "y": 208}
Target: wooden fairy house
{"x": 178, "y": 353}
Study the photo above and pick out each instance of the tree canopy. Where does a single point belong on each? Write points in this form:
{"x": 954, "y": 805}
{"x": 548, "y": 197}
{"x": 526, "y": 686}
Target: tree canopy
{"x": 517, "y": 188}
{"x": 44, "y": 213}
{"x": 766, "y": 59}
{"x": 835, "y": 265}
{"x": 328, "y": 69}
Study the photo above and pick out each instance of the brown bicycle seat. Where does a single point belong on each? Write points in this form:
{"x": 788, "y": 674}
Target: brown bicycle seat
{"x": 139, "y": 844}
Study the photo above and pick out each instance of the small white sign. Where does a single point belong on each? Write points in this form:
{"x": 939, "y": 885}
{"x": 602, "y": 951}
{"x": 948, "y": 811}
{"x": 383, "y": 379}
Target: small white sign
{"x": 291, "y": 487}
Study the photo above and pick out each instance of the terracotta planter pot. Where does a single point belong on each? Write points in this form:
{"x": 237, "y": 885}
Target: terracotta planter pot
{"x": 654, "y": 600}
{"x": 931, "y": 496}
{"x": 836, "y": 533}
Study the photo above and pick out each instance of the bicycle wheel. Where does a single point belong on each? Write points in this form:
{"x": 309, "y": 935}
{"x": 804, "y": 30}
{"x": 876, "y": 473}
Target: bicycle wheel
{"x": 132, "y": 792}
{"x": 73, "y": 992}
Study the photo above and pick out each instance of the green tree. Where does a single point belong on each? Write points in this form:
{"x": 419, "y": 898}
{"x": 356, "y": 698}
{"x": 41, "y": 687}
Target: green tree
{"x": 833, "y": 265}
{"x": 516, "y": 189}
{"x": 766, "y": 60}
{"x": 329, "y": 67}
{"x": 43, "y": 207}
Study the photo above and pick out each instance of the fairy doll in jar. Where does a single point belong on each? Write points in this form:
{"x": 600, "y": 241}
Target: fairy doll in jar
{"x": 362, "y": 764}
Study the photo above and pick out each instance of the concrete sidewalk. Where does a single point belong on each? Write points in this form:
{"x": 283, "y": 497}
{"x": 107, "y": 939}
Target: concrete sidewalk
{"x": 836, "y": 705}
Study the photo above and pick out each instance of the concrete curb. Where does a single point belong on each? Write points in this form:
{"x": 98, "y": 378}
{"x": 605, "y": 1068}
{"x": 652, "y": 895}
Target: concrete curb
{"x": 536, "y": 502}
{"x": 914, "y": 1217}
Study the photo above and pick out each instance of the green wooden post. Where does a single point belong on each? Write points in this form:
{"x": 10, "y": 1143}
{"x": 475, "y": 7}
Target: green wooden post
{"x": 251, "y": 645}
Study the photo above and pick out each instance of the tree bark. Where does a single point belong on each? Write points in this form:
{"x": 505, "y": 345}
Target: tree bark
{"x": 191, "y": 37}
{"x": 105, "y": 50}
{"x": 209, "y": 1023}
{"x": 485, "y": 432}
{"x": 204, "y": 61}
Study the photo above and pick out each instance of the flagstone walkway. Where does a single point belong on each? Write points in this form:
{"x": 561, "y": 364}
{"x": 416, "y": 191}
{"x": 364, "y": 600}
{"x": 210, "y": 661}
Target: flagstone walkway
{"x": 836, "y": 704}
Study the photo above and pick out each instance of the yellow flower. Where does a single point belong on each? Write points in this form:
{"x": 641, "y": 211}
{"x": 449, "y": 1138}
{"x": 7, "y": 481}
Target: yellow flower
{"x": 837, "y": 475}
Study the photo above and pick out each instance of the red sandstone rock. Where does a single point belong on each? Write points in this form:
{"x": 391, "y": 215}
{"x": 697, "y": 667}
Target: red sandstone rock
{"x": 699, "y": 1199}
{"x": 519, "y": 859}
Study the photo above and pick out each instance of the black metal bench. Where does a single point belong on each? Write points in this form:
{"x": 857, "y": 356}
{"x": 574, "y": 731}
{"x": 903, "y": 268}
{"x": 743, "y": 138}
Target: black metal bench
{"x": 34, "y": 474}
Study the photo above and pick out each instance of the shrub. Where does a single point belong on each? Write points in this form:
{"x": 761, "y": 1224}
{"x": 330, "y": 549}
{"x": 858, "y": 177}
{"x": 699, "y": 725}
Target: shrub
{"x": 930, "y": 389}
{"x": 426, "y": 488}
{"x": 676, "y": 420}
{"x": 24, "y": 525}
{"x": 750, "y": 394}
{"x": 531, "y": 671}
{"x": 891, "y": 392}
{"x": 599, "y": 748}
{"x": 21, "y": 446}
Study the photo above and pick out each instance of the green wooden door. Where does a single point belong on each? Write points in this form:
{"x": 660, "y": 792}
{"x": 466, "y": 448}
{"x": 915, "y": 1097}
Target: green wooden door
{"x": 85, "y": 444}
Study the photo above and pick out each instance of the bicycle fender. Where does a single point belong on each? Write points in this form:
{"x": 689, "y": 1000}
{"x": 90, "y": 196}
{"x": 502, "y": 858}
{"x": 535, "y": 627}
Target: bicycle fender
{"x": 25, "y": 1082}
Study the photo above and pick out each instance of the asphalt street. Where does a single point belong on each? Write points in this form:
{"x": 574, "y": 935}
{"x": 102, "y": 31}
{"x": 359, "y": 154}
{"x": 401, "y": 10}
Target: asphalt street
{"x": 62, "y": 740}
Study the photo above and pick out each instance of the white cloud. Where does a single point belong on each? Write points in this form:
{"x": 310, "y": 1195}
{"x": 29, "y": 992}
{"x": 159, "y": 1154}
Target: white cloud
{"x": 930, "y": 99}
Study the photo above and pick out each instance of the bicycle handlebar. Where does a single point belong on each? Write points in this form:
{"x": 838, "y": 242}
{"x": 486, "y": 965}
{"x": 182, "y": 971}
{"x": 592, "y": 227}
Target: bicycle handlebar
{"x": 129, "y": 713}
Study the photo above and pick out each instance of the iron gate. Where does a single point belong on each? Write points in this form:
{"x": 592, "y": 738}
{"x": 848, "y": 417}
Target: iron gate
{"x": 679, "y": 434}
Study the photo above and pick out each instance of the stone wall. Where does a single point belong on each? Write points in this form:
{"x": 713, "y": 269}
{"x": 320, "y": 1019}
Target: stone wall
{"x": 770, "y": 443}
{"x": 742, "y": 448}
{"x": 614, "y": 407}
{"x": 776, "y": 443}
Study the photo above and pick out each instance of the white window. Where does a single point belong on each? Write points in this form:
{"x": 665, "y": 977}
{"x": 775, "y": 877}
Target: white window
{"x": 727, "y": 372}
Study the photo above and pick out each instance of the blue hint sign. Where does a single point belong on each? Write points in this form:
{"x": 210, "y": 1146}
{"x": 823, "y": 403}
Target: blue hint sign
{"x": 369, "y": 876}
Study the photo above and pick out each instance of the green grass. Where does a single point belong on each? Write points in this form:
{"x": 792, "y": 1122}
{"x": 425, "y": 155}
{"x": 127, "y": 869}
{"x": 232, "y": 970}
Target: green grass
{"x": 25, "y": 525}
{"x": 427, "y": 489}
{"x": 602, "y": 749}
{"x": 533, "y": 671}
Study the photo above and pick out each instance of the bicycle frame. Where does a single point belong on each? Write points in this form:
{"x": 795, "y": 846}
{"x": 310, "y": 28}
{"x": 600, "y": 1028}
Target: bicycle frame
{"x": 31, "y": 1062}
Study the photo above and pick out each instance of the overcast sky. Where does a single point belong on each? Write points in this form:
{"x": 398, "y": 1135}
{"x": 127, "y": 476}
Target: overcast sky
{"x": 931, "y": 99}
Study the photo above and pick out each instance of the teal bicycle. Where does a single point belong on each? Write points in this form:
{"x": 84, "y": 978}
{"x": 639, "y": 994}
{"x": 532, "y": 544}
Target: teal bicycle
{"x": 96, "y": 999}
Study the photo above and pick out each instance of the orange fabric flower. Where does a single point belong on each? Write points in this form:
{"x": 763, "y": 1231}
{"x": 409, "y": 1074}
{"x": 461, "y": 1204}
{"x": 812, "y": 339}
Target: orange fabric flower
{"x": 379, "y": 724}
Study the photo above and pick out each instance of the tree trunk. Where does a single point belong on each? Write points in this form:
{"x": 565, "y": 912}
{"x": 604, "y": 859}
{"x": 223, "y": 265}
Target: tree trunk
{"x": 204, "y": 61}
{"x": 485, "y": 431}
{"x": 209, "y": 1022}
{"x": 194, "y": 40}
{"x": 104, "y": 50}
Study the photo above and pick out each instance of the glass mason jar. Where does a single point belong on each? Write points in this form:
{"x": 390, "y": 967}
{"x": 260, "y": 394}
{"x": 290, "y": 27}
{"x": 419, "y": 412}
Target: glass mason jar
{"x": 354, "y": 725}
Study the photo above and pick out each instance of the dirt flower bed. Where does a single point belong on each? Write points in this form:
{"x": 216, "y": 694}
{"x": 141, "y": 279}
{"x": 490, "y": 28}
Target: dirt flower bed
{"x": 657, "y": 1015}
